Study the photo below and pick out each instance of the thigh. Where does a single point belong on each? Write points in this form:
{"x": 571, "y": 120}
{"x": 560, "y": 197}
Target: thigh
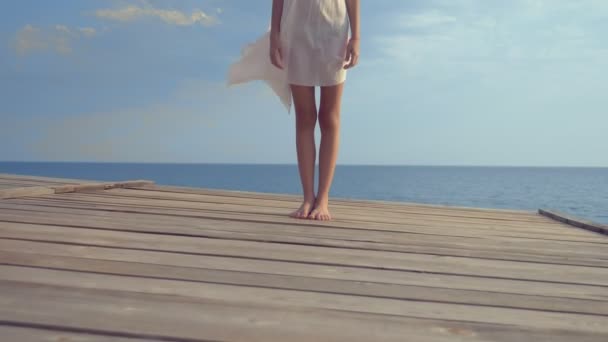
{"x": 331, "y": 99}
{"x": 304, "y": 100}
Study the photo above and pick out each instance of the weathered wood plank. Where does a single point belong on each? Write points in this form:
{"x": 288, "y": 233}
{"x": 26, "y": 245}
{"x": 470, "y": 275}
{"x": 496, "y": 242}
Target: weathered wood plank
{"x": 29, "y": 191}
{"x": 25, "y": 191}
{"x": 189, "y": 318}
{"x": 308, "y": 283}
{"x": 290, "y": 197}
{"x": 98, "y": 186}
{"x": 311, "y": 254}
{"x": 324, "y": 236}
{"x": 317, "y": 271}
{"x": 256, "y": 296}
{"x": 24, "y": 210}
{"x": 339, "y": 204}
{"x": 575, "y": 221}
{"x": 422, "y": 227}
{"x": 345, "y": 212}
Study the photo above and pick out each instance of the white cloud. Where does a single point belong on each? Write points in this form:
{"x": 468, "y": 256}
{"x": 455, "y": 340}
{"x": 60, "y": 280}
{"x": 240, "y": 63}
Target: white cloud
{"x": 58, "y": 39}
{"x": 88, "y": 31}
{"x": 462, "y": 35}
{"x": 169, "y": 16}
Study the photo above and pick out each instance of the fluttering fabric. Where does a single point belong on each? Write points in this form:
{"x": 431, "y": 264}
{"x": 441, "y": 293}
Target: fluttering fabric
{"x": 314, "y": 35}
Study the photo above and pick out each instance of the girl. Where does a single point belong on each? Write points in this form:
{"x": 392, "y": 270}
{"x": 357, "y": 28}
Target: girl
{"x": 309, "y": 45}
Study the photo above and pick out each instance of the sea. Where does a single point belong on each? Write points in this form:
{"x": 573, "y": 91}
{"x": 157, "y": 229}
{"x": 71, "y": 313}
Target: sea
{"x": 578, "y": 191}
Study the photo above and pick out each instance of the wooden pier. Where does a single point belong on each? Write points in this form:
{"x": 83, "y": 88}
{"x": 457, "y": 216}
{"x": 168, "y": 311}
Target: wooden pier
{"x": 134, "y": 261}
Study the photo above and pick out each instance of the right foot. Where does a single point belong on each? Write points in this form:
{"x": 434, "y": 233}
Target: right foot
{"x": 304, "y": 210}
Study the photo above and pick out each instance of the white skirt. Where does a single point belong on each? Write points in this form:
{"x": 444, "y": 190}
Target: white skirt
{"x": 314, "y": 35}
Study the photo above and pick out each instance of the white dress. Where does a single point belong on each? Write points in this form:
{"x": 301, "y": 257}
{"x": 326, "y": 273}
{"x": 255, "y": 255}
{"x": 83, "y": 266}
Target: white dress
{"x": 314, "y": 35}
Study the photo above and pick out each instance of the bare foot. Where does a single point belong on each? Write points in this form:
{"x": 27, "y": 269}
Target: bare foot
{"x": 320, "y": 211}
{"x": 304, "y": 210}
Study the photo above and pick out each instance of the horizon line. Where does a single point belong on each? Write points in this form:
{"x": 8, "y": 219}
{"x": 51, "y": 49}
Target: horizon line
{"x": 295, "y": 164}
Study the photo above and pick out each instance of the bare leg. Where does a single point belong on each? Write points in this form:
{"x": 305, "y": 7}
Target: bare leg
{"x": 306, "y": 119}
{"x": 329, "y": 121}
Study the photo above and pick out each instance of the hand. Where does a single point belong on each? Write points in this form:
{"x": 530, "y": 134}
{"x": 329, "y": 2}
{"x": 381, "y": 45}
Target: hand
{"x": 352, "y": 53}
{"x": 276, "y": 53}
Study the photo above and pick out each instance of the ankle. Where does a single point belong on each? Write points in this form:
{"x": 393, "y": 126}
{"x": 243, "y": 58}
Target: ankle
{"x": 322, "y": 199}
{"x": 309, "y": 198}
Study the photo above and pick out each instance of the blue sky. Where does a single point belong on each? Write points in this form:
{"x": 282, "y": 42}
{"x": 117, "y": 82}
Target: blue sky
{"x": 441, "y": 82}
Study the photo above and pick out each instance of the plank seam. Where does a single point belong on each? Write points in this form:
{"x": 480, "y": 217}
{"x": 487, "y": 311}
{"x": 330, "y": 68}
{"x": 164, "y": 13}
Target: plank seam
{"x": 378, "y": 296}
{"x": 89, "y": 331}
{"x": 342, "y": 206}
{"x": 328, "y": 244}
{"x": 302, "y": 262}
{"x": 108, "y": 207}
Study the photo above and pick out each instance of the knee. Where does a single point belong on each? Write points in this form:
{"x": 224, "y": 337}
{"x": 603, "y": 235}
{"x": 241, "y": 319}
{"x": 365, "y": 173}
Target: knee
{"x": 329, "y": 122}
{"x": 307, "y": 121}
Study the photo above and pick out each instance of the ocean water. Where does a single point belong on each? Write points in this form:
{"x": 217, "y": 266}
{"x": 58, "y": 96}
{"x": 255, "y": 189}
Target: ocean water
{"x": 582, "y": 192}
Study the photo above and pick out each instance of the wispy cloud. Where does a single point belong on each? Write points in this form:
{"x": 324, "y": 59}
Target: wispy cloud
{"x": 456, "y": 34}
{"x": 169, "y": 16}
{"x": 58, "y": 39}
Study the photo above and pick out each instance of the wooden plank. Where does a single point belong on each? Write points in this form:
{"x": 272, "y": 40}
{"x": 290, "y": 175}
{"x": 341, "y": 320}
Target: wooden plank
{"x": 276, "y": 232}
{"x": 452, "y": 230}
{"x": 93, "y": 199}
{"x": 47, "y": 208}
{"x": 308, "y": 283}
{"x": 25, "y": 191}
{"x": 311, "y": 254}
{"x": 77, "y": 202}
{"x": 345, "y": 212}
{"x": 12, "y": 184}
{"x": 316, "y": 271}
{"x": 24, "y": 332}
{"x": 575, "y": 221}
{"x": 65, "y": 188}
{"x": 366, "y": 203}
{"x": 289, "y": 203}
{"x": 413, "y": 231}
{"x": 322, "y": 236}
{"x": 256, "y": 296}
{"x": 191, "y": 319}
{"x": 98, "y": 186}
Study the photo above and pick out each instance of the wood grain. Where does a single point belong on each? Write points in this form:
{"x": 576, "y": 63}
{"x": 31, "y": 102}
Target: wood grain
{"x": 135, "y": 261}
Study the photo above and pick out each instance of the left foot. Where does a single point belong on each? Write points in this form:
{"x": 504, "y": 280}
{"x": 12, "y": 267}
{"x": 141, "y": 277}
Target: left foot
{"x": 320, "y": 211}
